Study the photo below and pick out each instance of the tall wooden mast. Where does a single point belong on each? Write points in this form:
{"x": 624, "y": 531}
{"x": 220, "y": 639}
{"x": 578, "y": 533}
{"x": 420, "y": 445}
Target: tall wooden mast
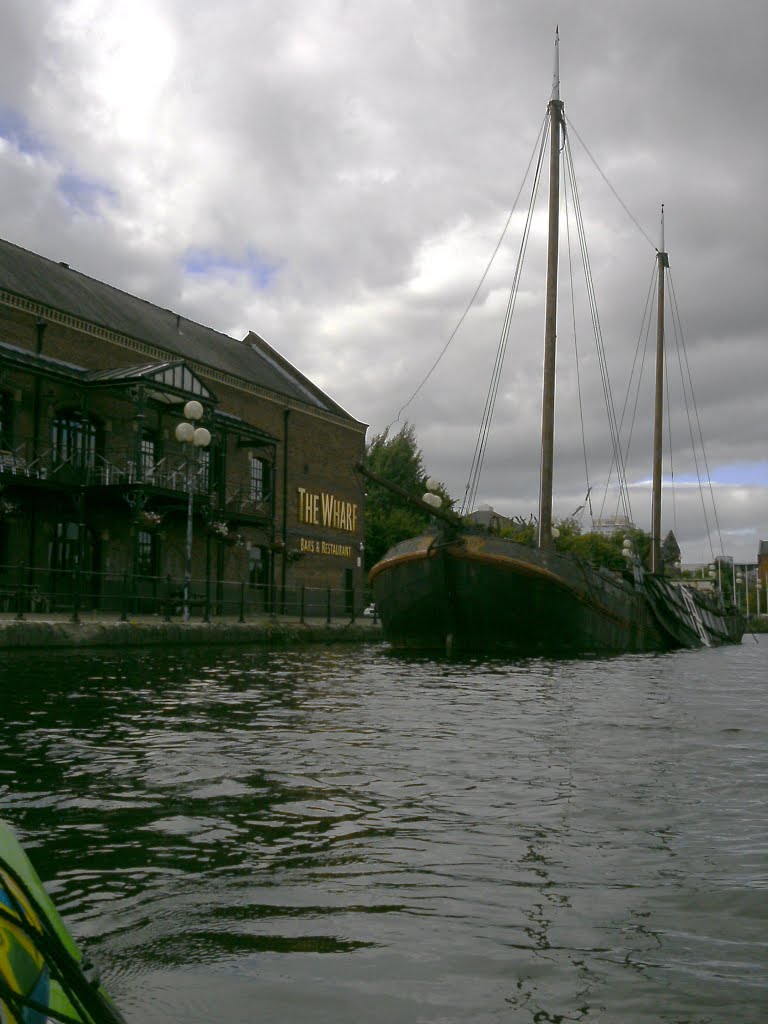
{"x": 550, "y": 326}
{"x": 658, "y": 413}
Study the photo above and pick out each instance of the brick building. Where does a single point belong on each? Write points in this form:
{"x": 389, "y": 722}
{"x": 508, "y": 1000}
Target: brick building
{"x": 95, "y": 487}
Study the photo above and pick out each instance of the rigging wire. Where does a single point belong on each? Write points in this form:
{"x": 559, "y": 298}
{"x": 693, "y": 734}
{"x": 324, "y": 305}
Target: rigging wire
{"x": 670, "y": 449}
{"x": 476, "y": 292}
{"x": 597, "y": 330}
{"x": 576, "y": 353}
{"x": 473, "y": 481}
{"x": 678, "y": 327}
{"x": 624, "y": 206}
{"x": 641, "y": 352}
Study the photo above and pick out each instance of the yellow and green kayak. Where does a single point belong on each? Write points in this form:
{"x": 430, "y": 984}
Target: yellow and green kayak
{"x": 44, "y": 977}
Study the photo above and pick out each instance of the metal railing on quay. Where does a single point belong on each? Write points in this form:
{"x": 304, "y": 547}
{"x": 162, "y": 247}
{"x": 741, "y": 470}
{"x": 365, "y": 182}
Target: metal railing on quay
{"x": 74, "y": 593}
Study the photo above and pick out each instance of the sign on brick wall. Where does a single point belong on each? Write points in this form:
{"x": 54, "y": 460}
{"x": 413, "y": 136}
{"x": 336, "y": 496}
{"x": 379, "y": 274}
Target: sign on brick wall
{"x": 321, "y": 509}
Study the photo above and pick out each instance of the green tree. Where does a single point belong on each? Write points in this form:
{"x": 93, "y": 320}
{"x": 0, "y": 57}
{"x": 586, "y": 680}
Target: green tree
{"x": 388, "y": 519}
{"x": 599, "y": 549}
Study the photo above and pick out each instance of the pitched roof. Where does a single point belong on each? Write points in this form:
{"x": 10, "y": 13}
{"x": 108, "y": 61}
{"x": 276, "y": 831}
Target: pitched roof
{"x": 173, "y": 376}
{"x": 59, "y": 286}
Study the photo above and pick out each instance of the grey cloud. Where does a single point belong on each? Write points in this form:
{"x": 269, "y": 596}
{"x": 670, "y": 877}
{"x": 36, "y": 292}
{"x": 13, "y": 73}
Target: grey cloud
{"x": 342, "y": 140}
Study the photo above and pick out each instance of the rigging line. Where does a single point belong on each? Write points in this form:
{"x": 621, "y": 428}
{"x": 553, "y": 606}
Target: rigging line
{"x": 676, "y": 316}
{"x": 479, "y": 284}
{"x": 492, "y": 394}
{"x": 473, "y": 481}
{"x": 482, "y": 439}
{"x": 575, "y": 342}
{"x": 602, "y": 358}
{"x": 596, "y": 326}
{"x": 679, "y": 326}
{"x": 626, "y": 209}
{"x": 669, "y": 445}
{"x": 693, "y": 449}
{"x": 641, "y": 351}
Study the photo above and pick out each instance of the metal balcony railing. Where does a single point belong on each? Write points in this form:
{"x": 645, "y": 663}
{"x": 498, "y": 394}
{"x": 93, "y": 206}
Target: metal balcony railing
{"x": 112, "y": 466}
{"x": 116, "y": 466}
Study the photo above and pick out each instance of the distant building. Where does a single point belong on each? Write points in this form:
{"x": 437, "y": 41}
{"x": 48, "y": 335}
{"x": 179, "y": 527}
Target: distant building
{"x": 610, "y": 525}
{"x": 486, "y": 516}
{"x": 94, "y": 484}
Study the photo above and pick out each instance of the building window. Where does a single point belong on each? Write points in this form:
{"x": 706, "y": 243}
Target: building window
{"x": 4, "y": 562}
{"x": 203, "y": 472}
{"x": 74, "y": 440}
{"x": 65, "y": 550}
{"x": 257, "y": 567}
{"x": 261, "y": 479}
{"x": 6, "y": 420}
{"x": 146, "y": 554}
{"x": 148, "y": 457}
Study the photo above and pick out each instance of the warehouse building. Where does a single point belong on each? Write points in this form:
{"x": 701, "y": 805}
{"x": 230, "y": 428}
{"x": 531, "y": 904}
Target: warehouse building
{"x": 102, "y": 501}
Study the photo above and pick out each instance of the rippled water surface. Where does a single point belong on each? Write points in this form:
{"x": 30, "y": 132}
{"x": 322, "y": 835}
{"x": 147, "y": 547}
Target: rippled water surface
{"x": 338, "y": 834}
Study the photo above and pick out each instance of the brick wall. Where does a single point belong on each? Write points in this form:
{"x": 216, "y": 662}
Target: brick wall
{"x": 316, "y": 450}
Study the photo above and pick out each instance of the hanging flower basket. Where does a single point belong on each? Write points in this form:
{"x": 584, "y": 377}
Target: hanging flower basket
{"x": 7, "y": 508}
{"x": 150, "y": 520}
{"x": 219, "y": 529}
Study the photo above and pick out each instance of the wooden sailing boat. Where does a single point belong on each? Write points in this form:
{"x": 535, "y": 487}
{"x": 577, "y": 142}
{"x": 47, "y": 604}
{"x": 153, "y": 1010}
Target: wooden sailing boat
{"x": 460, "y": 587}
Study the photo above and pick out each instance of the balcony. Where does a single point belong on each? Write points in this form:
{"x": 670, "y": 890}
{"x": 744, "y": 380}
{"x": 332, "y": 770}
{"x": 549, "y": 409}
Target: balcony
{"x": 243, "y": 507}
{"x": 114, "y": 468}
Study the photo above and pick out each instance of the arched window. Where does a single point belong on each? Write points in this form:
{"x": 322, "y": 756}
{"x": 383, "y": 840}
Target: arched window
{"x": 75, "y": 439}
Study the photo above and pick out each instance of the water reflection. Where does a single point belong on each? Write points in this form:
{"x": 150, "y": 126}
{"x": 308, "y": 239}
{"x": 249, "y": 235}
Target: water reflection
{"x": 471, "y": 840}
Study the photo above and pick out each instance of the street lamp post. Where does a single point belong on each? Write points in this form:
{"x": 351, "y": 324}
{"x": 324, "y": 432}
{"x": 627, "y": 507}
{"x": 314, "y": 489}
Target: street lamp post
{"x": 746, "y": 591}
{"x": 198, "y": 437}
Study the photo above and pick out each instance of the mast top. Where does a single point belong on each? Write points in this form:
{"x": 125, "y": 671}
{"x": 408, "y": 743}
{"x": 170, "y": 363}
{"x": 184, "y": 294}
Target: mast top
{"x": 662, "y": 252}
{"x": 556, "y": 73}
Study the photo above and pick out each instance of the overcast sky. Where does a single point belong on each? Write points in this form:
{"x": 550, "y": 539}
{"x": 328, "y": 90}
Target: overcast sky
{"x": 335, "y": 174}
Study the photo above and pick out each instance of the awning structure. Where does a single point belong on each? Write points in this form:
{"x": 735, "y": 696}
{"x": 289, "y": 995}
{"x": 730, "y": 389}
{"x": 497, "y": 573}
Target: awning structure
{"x": 170, "y": 383}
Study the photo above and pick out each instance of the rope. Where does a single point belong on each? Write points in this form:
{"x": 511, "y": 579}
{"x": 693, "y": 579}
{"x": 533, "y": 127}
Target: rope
{"x": 576, "y": 351}
{"x": 473, "y": 482}
{"x": 598, "y": 335}
{"x": 670, "y": 448}
{"x": 641, "y": 350}
{"x": 624, "y": 206}
{"x": 678, "y": 328}
{"x": 476, "y": 292}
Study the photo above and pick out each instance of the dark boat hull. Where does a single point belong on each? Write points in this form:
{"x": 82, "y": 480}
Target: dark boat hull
{"x": 484, "y": 593}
